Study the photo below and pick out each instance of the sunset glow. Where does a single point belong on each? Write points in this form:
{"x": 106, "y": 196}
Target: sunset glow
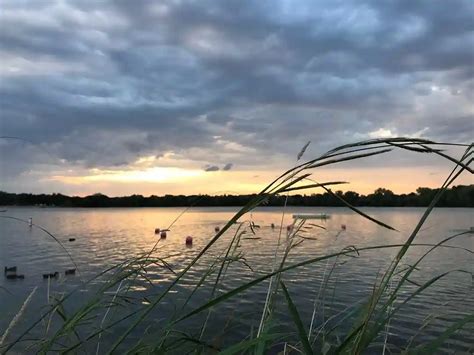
{"x": 149, "y": 175}
{"x": 175, "y": 99}
{"x": 161, "y": 181}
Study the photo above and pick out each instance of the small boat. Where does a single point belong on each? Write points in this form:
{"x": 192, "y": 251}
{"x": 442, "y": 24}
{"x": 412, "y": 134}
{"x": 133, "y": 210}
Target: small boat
{"x": 311, "y": 216}
{"x": 14, "y": 276}
{"x": 72, "y": 239}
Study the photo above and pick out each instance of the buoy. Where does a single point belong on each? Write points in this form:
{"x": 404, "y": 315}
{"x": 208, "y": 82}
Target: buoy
{"x": 189, "y": 240}
{"x": 343, "y": 227}
{"x": 72, "y": 239}
{"x": 70, "y": 272}
{"x": 157, "y": 230}
{"x": 272, "y": 225}
{"x": 217, "y": 229}
{"x": 30, "y": 222}
{"x": 163, "y": 235}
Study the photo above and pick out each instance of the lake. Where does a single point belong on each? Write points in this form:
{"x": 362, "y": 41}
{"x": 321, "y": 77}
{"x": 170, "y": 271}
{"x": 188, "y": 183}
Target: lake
{"x": 105, "y": 237}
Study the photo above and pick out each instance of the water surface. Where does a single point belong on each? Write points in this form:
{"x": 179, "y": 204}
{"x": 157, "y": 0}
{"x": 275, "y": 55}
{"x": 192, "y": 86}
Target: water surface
{"x": 105, "y": 237}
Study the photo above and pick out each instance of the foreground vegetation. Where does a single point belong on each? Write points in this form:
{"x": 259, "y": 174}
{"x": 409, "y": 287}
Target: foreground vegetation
{"x": 457, "y": 196}
{"x": 91, "y": 327}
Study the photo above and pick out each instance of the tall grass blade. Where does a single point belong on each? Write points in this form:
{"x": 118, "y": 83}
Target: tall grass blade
{"x": 297, "y": 320}
{"x": 433, "y": 346}
{"x": 17, "y": 316}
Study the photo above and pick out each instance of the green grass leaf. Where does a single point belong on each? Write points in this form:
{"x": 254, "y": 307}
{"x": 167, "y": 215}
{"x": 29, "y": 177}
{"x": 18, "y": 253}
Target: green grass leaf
{"x": 297, "y": 320}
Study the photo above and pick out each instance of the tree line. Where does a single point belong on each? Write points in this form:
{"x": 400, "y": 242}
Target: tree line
{"x": 457, "y": 196}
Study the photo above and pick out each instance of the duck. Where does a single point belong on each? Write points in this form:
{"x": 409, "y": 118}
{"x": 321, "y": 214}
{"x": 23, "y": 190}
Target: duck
{"x": 51, "y": 275}
{"x": 10, "y": 269}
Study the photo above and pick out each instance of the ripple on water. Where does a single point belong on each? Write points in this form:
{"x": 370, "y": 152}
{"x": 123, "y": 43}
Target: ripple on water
{"x": 105, "y": 237}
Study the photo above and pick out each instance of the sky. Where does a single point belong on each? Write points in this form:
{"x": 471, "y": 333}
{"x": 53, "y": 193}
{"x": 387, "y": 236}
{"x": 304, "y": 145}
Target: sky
{"x": 185, "y": 97}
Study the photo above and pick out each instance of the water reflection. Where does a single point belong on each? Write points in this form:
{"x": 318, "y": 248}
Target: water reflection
{"x": 104, "y": 237}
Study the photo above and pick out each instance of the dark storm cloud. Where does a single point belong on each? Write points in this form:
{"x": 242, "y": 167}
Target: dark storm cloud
{"x": 226, "y": 167}
{"x": 211, "y": 168}
{"x": 100, "y": 84}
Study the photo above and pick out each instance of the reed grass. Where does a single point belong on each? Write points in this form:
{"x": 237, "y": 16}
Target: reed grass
{"x": 94, "y": 325}
{"x": 17, "y": 316}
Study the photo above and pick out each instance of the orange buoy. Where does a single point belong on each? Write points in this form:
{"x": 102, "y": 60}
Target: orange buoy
{"x": 189, "y": 240}
{"x": 163, "y": 235}
{"x": 157, "y": 230}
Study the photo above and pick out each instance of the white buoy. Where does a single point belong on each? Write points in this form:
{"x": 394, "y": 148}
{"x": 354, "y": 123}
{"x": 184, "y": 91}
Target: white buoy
{"x": 30, "y": 222}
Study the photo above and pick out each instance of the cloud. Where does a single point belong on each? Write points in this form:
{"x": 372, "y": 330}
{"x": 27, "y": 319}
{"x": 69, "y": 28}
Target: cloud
{"x": 381, "y": 133}
{"x": 103, "y": 84}
{"x": 211, "y": 168}
{"x": 228, "y": 166}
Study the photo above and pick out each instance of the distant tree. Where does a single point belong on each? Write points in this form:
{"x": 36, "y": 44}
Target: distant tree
{"x": 457, "y": 196}
{"x": 352, "y": 197}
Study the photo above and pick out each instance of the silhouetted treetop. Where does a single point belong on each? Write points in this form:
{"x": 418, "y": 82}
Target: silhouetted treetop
{"x": 457, "y": 196}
